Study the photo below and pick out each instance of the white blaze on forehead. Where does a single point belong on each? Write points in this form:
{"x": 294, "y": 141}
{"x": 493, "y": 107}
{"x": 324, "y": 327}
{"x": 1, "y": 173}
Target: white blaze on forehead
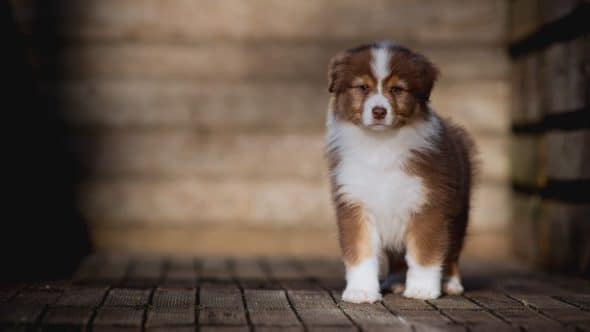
{"x": 380, "y": 65}
{"x": 380, "y": 68}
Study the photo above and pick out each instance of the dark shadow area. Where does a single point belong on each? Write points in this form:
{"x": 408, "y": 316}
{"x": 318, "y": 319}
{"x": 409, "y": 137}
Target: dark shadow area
{"x": 43, "y": 233}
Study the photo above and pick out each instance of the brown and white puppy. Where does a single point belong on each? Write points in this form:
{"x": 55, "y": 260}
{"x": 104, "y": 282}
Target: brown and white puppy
{"x": 400, "y": 174}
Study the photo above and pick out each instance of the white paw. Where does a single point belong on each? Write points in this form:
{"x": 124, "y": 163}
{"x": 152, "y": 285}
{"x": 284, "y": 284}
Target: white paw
{"x": 453, "y": 286}
{"x": 360, "y": 296}
{"x": 422, "y": 292}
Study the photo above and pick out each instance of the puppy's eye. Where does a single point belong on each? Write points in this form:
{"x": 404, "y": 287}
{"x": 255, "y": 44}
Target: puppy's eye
{"x": 396, "y": 90}
{"x": 363, "y": 87}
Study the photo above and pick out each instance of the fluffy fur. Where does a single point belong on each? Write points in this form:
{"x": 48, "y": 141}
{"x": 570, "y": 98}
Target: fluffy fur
{"x": 400, "y": 174}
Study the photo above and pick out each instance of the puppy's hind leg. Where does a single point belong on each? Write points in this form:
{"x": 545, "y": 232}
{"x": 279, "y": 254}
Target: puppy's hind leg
{"x": 452, "y": 281}
{"x": 394, "y": 281}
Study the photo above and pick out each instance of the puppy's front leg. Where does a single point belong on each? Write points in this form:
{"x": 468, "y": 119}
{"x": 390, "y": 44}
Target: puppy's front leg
{"x": 358, "y": 241}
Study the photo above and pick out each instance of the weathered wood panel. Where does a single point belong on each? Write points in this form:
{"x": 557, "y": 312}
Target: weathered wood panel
{"x": 188, "y": 200}
{"x": 234, "y": 62}
{"x": 565, "y": 77}
{"x": 189, "y": 21}
{"x": 568, "y": 155}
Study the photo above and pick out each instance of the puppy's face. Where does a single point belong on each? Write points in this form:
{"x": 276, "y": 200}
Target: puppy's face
{"x": 380, "y": 86}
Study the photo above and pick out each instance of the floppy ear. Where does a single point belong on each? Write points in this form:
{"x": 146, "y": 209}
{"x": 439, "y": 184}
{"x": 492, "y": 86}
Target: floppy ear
{"x": 429, "y": 74}
{"x": 335, "y": 71}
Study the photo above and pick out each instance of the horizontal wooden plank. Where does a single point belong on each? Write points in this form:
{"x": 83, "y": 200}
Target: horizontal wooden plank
{"x": 183, "y": 20}
{"x": 226, "y": 61}
{"x": 188, "y": 201}
{"x": 180, "y": 153}
{"x": 219, "y": 240}
{"x": 176, "y": 153}
{"x": 198, "y": 201}
{"x": 480, "y": 105}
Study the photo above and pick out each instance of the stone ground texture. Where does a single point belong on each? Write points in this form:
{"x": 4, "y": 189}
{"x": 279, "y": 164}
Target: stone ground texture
{"x": 122, "y": 293}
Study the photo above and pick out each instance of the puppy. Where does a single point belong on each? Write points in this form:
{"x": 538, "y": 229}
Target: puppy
{"x": 401, "y": 175}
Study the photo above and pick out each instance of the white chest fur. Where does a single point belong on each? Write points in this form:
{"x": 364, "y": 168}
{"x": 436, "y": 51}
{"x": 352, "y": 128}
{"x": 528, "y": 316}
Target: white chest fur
{"x": 371, "y": 171}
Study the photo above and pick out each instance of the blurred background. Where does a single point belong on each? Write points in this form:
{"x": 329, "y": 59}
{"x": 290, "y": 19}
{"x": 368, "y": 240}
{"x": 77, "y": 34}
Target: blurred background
{"x": 196, "y": 127}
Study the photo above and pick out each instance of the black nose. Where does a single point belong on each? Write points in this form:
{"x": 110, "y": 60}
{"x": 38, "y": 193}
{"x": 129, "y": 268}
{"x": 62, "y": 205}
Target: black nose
{"x": 379, "y": 113}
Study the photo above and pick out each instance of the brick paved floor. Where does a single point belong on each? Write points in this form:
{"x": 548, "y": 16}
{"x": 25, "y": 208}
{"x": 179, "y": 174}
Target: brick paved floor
{"x": 113, "y": 293}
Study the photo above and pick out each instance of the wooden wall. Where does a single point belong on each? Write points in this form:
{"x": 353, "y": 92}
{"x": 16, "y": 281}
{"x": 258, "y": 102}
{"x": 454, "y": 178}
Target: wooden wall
{"x": 201, "y": 122}
{"x": 550, "y": 146}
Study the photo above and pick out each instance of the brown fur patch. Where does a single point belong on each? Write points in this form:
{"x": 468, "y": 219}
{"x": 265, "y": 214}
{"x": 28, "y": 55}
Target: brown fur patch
{"x": 355, "y": 239}
{"x": 426, "y": 237}
{"x": 447, "y": 172}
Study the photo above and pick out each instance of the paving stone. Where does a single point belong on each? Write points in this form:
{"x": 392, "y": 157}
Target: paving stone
{"x": 428, "y": 317}
{"x": 454, "y": 302}
{"x": 397, "y": 302}
{"x": 224, "y": 329}
{"x": 35, "y": 298}
{"x": 174, "y": 297}
{"x": 171, "y": 329}
{"x": 580, "y": 300}
{"x": 221, "y": 305}
{"x": 371, "y": 315}
{"x": 67, "y": 317}
{"x": 20, "y": 313}
{"x": 82, "y": 296}
{"x": 119, "y": 316}
{"x": 493, "y": 300}
{"x": 158, "y": 317}
{"x": 116, "y": 329}
{"x": 52, "y": 286}
{"x": 127, "y": 297}
{"x": 269, "y": 307}
{"x": 471, "y": 317}
{"x": 542, "y": 301}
